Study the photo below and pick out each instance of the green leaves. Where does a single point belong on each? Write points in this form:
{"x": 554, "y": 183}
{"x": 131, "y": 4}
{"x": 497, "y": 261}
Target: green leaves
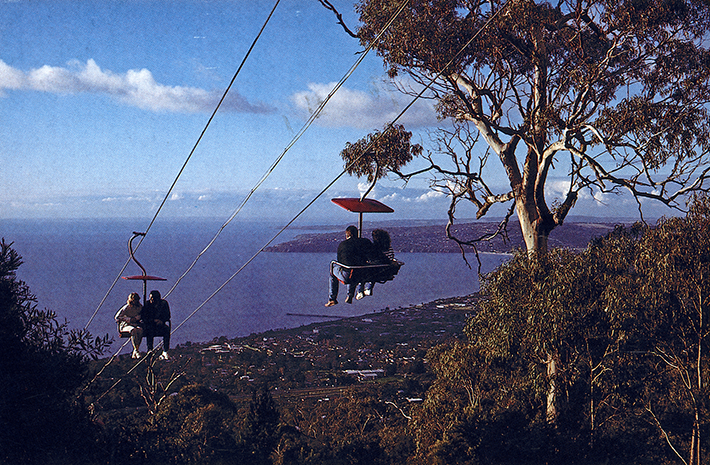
{"x": 621, "y": 87}
{"x": 43, "y": 365}
{"x": 380, "y": 152}
{"x": 613, "y": 339}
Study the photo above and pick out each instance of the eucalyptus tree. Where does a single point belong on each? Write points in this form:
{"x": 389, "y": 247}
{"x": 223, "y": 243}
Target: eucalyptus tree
{"x": 671, "y": 328}
{"x": 624, "y": 324}
{"x": 534, "y": 370}
{"x": 544, "y": 316}
{"x": 607, "y": 95}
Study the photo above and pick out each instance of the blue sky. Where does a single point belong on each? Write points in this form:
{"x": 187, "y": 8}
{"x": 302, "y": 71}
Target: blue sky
{"x": 102, "y": 101}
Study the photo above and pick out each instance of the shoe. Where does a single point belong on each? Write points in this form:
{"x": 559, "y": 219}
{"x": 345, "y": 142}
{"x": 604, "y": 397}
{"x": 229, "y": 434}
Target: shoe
{"x": 349, "y": 300}
{"x": 136, "y": 354}
{"x": 164, "y": 356}
{"x": 368, "y": 291}
{"x": 331, "y": 303}
{"x": 360, "y": 295}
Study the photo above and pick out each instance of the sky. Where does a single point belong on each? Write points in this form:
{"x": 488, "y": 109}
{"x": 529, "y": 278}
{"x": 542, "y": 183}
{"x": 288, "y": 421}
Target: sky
{"x": 101, "y": 103}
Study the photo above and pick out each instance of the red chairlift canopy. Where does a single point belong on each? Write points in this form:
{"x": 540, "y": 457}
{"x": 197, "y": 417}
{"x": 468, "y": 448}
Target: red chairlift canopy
{"x": 362, "y": 206}
{"x": 142, "y": 277}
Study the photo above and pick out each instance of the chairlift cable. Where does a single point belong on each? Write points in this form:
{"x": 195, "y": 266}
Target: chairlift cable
{"x": 295, "y": 139}
{"x": 182, "y": 169}
{"x": 305, "y": 127}
{"x": 345, "y": 170}
{"x": 320, "y": 194}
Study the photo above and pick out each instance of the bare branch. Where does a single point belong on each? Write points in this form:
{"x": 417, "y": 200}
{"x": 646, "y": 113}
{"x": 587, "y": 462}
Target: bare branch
{"x": 665, "y": 434}
{"x": 330, "y": 7}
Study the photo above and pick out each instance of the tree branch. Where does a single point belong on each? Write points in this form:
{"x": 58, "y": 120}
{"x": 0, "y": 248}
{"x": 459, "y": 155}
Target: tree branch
{"x": 330, "y": 7}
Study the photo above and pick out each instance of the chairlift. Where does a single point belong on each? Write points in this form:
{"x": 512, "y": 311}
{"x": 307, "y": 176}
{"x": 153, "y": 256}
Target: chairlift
{"x": 365, "y": 273}
{"x": 141, "y": 277}
{"x": 361, "y": 206}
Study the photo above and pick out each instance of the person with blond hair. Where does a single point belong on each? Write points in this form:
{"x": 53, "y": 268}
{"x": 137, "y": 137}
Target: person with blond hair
{"x": 129, "y": 321}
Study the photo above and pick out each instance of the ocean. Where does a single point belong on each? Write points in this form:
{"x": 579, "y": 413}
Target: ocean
{"x": 71, "y": 265}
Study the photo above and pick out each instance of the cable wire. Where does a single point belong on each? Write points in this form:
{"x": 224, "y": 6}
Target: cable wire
{"x": 324, "y": 190}
{"x": 295, "y": 139}
{"x": 346, "y": 169}
{"x": 271, "y": 169}
{"x": 184, "y": 165}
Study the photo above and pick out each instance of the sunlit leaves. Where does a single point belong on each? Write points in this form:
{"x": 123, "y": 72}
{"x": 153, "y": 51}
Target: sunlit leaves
{"x": 622, "y": 86}
{"x": 626, "y": 322}
{"x": 380, "y": 152}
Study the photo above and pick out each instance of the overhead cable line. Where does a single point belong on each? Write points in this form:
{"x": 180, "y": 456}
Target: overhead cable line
{"x": 295, "y": 139}
{"x": 347, "y": 168}
{"x": 273, "y": 166}
{"x": 328, "y": 186}
{"x": 184, "y": 165}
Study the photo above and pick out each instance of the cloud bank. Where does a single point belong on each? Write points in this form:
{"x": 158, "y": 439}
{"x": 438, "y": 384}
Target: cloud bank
{"x": 363, "y": 110}
{"x": 136, "y": 88}
{"x": 282, "y": 204}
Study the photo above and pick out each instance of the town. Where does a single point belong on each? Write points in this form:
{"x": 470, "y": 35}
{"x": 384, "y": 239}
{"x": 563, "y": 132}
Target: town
{"x": 316, "y": 361}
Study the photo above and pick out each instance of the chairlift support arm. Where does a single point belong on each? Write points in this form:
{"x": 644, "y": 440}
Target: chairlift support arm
{"x": 144, "y": 276}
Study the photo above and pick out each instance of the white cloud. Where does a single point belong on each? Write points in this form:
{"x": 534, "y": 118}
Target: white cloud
{"x": 394, "y": 197}
{"x": 431, "y": 195}
{"x": 363, "y": 186}
{"x": 10, "y": 78}
{"x": 363, "y": 110}
{"x": 557, "y": 188}
{"x": 129, "y": 198}
{"x": 136, "y": 88}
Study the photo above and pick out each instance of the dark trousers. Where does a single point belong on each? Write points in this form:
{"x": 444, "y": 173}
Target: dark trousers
{"x": 158, "y": 331}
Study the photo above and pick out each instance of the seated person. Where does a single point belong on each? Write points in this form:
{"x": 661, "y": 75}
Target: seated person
{"x": 156, "y": 320}
{"x": 129, "y": 320}
{"x": 353, "y": 251}
{"x": 382, "y": 254}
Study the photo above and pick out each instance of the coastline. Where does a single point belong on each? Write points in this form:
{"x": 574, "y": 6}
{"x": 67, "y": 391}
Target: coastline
{"x": 432, "y": 238}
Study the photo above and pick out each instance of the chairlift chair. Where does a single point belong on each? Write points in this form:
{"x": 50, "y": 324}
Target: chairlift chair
{"x": 141, "y": 277}
{"x": 365, "y": 273}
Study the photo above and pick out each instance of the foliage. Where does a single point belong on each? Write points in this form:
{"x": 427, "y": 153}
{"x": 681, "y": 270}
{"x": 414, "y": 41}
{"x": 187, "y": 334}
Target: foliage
{"x": 377, "y": 153}
{"x": 260, "y": 434}
{"x": 623, "y": 324}
{"x": 671, "y": 328}
{"x": 43, "y": 365}
{"x": 153, "y": 391}
{"x": 197, "y": 425}
{"x": 357, "y": 428}
{"x": 607, "y": 95}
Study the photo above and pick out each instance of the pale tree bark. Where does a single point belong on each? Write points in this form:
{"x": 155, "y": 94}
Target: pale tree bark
{"x": 551, "y": 406}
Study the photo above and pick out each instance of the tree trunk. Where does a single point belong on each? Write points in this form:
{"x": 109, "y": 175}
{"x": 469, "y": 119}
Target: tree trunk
{"x": 535, "y": 233}
{"x": 695, "y": 447}
{"x": 551, "y": 390}
{"x": 695, "y": 442}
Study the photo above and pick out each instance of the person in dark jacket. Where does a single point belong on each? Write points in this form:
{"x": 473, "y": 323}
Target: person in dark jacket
{"x": 156, "y": 322}
{"x": 382, "y": 254}
{"x": 353, "y": 251}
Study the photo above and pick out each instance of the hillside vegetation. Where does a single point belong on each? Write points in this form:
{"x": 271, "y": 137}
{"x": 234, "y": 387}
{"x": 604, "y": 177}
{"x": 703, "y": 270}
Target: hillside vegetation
{"x": 460, "y": 380}
{"x": 432, "y": 238}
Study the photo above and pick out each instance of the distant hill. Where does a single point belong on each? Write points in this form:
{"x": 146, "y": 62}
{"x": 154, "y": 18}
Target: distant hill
{"x": 432, "y": 238}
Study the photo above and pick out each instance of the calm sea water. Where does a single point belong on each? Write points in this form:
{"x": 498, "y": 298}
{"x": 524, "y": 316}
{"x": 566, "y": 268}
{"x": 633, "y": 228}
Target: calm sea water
{"x": 70, "y": 266}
